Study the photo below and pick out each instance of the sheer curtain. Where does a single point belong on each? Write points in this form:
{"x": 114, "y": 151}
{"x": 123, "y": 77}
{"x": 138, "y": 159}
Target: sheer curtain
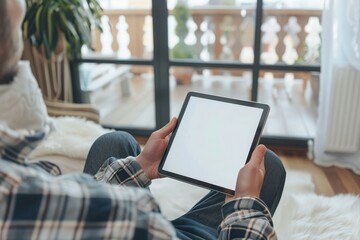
{"x": 340, "y": 64}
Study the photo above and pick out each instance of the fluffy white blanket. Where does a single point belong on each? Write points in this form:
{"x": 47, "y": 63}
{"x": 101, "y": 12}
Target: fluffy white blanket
{"x": 301, "y": 213}
{"x": 71, "y": 138}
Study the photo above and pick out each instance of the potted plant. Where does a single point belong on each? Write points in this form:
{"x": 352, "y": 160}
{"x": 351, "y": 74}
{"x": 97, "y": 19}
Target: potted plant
{"x": 183, "y": 75}
{"x": 54, "y": 33}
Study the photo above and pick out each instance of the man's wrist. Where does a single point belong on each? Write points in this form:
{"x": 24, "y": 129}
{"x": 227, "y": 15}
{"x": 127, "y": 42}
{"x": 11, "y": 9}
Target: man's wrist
{"x": 125, "y": 171}
{"x": 141, "y": 174}
{"x": 243, "y": 203}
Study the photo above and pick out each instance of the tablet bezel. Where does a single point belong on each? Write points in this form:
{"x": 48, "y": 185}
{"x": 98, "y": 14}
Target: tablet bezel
{"x": 260, "y": 127}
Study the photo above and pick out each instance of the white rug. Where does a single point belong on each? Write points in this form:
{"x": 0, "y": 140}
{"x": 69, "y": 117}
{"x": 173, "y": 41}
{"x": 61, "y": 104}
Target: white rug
{"x": 301, "y": 213}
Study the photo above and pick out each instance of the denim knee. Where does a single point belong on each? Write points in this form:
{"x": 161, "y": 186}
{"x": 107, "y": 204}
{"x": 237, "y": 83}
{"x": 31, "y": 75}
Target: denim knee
{"x": 119, "y": 141}
{"x": 117, "y": 144}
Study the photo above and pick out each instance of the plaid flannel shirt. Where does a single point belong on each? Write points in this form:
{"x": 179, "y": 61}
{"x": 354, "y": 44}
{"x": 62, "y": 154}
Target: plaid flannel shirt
{"x": 35, "y": 204}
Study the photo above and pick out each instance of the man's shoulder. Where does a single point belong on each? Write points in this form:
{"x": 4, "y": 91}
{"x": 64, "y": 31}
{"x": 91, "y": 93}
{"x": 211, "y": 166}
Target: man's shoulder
{"x": 18, "y": 171}
{"x": 13, "y": 167}
{"x": 13, "y": 172}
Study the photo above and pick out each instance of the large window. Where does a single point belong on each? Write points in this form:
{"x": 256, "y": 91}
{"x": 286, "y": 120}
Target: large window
{"x": 151, "y": 53}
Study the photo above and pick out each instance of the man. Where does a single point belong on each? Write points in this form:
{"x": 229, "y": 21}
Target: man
{"x": 37, "y": 202}
{"x": 23, "y": 112}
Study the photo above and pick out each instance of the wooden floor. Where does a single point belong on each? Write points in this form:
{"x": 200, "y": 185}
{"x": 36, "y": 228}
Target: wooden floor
{"x": 327, "y": 180}
{"x": 293, "y": 110}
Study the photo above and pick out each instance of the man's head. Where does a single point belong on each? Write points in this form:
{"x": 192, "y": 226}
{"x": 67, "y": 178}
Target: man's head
{"x": 11, "y": 44}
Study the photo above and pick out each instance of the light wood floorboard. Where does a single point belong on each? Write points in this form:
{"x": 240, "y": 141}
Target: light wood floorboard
{"x": 327, "y": 180}
{"x": 293, "y": 111}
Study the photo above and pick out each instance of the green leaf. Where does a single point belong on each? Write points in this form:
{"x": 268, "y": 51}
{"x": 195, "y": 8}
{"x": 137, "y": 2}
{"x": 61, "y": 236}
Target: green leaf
{"x": 29, "y": 22}
{"x": 46, "y": 19}
{"x": 37, "y": 18}
{"x": 83, "y": 29}
{"x": 50, "y": 27}
{"x": 46, "y": 46}
{"x": 69, "y": 28}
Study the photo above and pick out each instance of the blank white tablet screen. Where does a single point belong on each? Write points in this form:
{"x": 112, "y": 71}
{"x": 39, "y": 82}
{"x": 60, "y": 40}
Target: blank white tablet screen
{"x": 213, "y": 141}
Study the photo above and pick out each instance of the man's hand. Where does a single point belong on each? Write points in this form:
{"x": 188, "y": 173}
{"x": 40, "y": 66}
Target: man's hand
{"x": 150, "y": 157}
{"x": 251, "y": 176}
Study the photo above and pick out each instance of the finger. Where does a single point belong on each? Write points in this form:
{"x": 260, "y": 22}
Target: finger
{"x": 262, "y": 166}
{"x": 167, "y": 138}
{"x": 257, "y": 157}
{"x": 168, "y": 128}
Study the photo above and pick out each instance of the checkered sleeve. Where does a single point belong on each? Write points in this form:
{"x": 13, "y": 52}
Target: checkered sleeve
{"x": 35, "y": 205}
{"x": 246, "y": 218}
{"x": 15, "y": 146}
{"x": 123, "y": 172}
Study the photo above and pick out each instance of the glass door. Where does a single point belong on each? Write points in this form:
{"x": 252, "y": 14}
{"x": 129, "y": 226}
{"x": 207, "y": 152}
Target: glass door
{"x": 211, "y": 49}
{"x": 154, "y": 52}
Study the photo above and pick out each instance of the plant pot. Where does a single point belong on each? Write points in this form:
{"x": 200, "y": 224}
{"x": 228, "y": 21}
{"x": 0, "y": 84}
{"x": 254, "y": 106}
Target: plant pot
{"x": 183, "y": 75}
{"x": 53, "y": 75}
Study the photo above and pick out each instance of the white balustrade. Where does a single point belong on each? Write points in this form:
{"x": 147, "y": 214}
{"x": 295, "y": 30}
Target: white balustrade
{"x": 289, "y": 36}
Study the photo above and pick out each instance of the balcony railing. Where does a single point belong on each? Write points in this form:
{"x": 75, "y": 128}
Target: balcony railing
{"x": 289, "y": 36}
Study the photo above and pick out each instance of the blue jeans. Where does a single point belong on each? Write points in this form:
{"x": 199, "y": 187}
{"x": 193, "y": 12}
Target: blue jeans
{"x": 202, "y": 221}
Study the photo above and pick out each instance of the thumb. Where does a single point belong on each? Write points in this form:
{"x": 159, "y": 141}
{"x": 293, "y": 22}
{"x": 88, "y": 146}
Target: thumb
{"x": 257, "y": 157}
{"x": 168, "y": 128}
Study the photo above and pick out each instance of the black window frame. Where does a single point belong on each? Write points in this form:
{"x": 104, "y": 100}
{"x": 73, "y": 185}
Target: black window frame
{"x": 161, "y": 64}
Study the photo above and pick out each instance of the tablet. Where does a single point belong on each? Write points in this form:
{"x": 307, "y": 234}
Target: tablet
{"x": 214, "y": 138}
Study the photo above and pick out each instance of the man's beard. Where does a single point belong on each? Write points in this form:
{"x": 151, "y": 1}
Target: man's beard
{"x": 10, "y": 60}
{"x": 8, "y": 69}
{"x": 8, "y": 77}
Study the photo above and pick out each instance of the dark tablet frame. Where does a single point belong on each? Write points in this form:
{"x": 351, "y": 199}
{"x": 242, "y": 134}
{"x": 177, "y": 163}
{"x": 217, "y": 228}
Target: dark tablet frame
{"x": 261, "y": 124}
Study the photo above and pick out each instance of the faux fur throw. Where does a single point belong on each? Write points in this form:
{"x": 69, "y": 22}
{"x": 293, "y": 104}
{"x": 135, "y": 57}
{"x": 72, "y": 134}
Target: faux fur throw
{"x": 310, "y": 216}
{"x": 72, "y": 138}
{"x": 301, "y": 213}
